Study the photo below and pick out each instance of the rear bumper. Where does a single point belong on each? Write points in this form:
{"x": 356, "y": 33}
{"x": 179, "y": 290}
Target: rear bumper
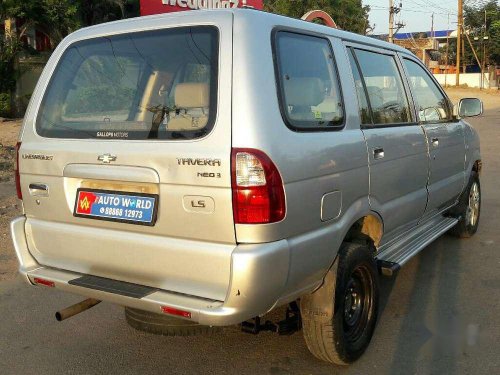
{"x": 258, "y": 279}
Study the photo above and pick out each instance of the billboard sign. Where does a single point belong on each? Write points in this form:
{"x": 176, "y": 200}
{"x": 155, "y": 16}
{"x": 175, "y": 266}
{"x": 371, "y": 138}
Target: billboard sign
{"x": 166, "y": 6}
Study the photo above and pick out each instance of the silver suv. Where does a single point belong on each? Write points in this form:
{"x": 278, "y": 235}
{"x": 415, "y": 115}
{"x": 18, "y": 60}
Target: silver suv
{"x": 214, "y": 165}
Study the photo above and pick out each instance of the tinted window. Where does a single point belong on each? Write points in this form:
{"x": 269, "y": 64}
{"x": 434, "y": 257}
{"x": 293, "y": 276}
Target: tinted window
{"x": 432, "y": 104}
{"x": 308, "y": 83}
{"x": 388, "y": 100}
{"x": 364, "y": 110}
{"x": 150, "y": 85}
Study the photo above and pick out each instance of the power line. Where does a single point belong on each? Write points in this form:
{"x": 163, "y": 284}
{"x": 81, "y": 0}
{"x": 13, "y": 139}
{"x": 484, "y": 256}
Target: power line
{"x": 411, "y": 10}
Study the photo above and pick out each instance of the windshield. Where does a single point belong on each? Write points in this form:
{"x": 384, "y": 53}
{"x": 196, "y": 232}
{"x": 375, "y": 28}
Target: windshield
{"x": 158, "y": 84}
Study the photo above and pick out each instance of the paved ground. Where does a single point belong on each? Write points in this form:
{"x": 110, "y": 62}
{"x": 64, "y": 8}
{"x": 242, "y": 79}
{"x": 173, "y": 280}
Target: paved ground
{"x": 441, "y": 315}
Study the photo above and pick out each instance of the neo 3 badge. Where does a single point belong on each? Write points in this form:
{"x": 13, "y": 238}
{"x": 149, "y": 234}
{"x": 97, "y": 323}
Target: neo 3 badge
{"x": 133, "y": 208}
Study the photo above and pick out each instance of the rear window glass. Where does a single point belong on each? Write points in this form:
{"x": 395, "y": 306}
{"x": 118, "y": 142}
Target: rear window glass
{"x": 308, "y": 82}
{"x": 158, "y": 84}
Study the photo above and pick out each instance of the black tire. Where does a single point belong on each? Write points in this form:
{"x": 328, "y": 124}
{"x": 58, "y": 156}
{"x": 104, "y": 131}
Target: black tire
{"x": 468, "y": 209}
{"x": 331, "y": 331}
{"x": 165, "y": 325}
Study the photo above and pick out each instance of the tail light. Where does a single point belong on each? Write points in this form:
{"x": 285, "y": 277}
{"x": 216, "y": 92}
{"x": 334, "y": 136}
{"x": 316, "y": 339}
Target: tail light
{"x": 173, "y": 311}
{"x": 258, "y": 194}
{"x": 44, "y": 282}
{"x": 16, "y": 172}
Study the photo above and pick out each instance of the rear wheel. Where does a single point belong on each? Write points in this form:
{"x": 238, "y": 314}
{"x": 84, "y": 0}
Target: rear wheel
{"x": 164, "y": 324}
{"x": 468, "y": 209}
{"x": 340, "y": 317}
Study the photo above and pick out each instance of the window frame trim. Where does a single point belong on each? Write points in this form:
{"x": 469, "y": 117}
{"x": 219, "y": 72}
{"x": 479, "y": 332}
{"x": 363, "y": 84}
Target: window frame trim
{"x": 280, "y": 89}
{"x": 402, "y": 73}
{"x": 212, "y": 121}
{"x": 453, "y": 118}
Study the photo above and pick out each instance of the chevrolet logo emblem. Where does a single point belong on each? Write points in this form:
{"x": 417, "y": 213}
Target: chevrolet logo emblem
{"x": 106, "y": 158}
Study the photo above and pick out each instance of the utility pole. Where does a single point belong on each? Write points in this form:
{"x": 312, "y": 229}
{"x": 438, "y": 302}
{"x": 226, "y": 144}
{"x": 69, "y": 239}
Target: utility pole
{"x": 447, "y": 50}
{"x": 432, "y": 26}
{"x": 459, "y": 40}
{"x": 483, "y": 67}
{"x": 391, "y": 21}
{"x": 393, "y": 10}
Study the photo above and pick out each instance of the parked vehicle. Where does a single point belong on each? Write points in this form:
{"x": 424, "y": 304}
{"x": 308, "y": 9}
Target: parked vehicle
{"x": 214, "y": 165}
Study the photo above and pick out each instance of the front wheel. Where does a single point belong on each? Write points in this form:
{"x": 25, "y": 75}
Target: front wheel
{"x": 339, "y": 318}
{"x": 468, "y": 209}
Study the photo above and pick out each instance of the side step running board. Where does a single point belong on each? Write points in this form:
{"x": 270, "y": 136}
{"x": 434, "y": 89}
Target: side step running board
{"x": 391, "y": 258}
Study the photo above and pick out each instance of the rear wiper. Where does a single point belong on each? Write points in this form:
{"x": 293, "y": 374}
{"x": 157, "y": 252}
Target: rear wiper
{"x": 160, "y": 111}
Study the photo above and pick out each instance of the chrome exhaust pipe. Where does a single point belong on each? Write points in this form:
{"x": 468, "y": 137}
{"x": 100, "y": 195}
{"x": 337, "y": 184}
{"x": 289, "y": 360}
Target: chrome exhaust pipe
{"x": 77, "y": 308}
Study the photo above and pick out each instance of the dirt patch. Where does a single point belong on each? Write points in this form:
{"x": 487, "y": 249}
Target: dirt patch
{"x": 9, "y": 204}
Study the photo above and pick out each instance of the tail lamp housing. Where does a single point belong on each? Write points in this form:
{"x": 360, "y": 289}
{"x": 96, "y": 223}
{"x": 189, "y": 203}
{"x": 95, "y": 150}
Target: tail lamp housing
{"x": 258, "y": 193}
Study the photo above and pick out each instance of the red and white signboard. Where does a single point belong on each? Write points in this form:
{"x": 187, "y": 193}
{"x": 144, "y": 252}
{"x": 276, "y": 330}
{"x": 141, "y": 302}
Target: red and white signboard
{"x": 166, "y": 6}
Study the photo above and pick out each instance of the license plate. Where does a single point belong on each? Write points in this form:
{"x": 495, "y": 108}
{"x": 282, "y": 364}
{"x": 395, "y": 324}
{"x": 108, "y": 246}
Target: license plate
{"x": 133, "y": 208}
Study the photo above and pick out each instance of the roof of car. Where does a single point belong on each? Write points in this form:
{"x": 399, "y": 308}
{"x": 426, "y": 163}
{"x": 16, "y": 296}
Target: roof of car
{"x": 239, "y": 13}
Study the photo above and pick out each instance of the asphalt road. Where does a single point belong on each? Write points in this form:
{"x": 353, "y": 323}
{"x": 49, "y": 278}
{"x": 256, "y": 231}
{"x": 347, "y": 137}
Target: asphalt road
{"x": 440, "y": 315}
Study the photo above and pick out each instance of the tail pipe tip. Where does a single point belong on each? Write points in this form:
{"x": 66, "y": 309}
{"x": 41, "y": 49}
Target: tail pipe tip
{"x": 77, "y": 308}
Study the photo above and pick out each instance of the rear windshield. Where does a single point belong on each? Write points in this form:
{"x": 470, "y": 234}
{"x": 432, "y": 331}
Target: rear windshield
{"x": 158, "y": 84}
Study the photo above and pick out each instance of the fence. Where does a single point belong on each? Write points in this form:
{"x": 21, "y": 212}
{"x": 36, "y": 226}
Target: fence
{"x": 469, "y": 79}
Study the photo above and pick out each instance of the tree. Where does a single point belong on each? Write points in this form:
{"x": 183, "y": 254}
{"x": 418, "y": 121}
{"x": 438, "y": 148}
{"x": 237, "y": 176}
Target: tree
{"x": 93, "y": 12}
{"x": 349, "y": 15}
{"x": 56, "y": 18}
{"x": 476, "y": 27}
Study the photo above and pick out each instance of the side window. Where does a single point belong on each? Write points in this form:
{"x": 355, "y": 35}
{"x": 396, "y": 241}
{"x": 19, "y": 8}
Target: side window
{"x": 432, "y": 104}
{"x": 364, "y": 109}
{"x": 308, "y": 83}
{"x": 386, "y": 93}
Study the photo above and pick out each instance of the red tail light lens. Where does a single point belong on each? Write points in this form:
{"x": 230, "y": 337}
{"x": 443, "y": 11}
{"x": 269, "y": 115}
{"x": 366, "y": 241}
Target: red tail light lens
{"x": 258, "y": 194}
{"x": 16, "y": 172}
{"x": 173, "y": 311}
{"x": 44, "y": 282}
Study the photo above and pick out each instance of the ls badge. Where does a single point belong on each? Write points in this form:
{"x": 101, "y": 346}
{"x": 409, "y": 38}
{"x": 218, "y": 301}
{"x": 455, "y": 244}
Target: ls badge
{"x": 198, "y": 204}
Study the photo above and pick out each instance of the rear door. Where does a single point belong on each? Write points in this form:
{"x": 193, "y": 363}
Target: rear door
{"x": 138, "y": 117}
{"x": 445, "y": 137}
{"x": 397, "y": 148}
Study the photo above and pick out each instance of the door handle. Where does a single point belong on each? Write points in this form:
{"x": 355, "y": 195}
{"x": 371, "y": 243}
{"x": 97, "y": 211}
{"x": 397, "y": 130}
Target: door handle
{"x": 39, "y": 189}
{"x": 378, "y": 153}
{"x": 435, "y": 142}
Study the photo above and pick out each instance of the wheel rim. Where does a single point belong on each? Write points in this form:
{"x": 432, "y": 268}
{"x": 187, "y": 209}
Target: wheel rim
{"x": 472, "y": 213}
{"x": 357, "y": 303}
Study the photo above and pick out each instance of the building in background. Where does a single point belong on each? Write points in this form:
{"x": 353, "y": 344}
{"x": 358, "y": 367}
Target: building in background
{"x": 32, "y": 37}
{"x": 430, "y": 47}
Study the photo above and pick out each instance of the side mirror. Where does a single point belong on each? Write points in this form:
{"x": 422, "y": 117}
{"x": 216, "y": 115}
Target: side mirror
{"x": 470, "y": 107}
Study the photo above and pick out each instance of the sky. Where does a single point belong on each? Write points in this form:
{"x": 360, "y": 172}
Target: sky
{"x": 416, "y": 14}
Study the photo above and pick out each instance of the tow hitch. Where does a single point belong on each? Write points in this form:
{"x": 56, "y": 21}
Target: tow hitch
{"x": 77, "y": 308}
{"x": 291, "y": 324}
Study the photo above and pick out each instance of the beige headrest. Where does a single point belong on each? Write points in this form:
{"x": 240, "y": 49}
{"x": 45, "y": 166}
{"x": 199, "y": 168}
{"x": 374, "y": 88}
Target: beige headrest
{"x": 304, "y": 91}
{"x": 192, "y": 95}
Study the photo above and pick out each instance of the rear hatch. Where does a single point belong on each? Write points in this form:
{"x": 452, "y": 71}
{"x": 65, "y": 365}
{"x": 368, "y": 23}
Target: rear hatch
{"x": 125, "y": 168}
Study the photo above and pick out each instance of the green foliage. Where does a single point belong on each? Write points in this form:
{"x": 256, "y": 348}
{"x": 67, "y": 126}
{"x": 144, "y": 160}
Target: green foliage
{"x": 349, "y": 15}
{"x": 494, "y": 42}
{"x": 57, "y": 18}
{"x": 5, "y": 109}
{"x": 475, "y": 24}
{"x": 92, "y": 12}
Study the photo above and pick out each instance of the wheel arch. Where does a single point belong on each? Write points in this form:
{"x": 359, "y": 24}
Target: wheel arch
{"x": 369, "y": 226}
